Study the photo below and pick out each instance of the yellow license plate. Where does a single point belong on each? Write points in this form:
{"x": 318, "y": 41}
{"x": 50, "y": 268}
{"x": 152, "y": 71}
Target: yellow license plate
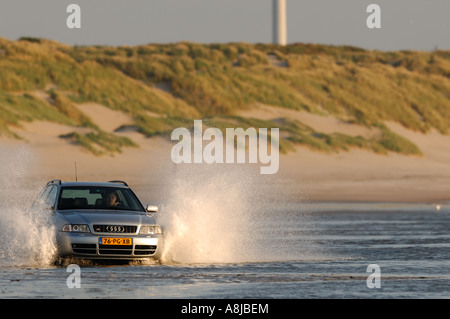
{"x": 115, "y": 241}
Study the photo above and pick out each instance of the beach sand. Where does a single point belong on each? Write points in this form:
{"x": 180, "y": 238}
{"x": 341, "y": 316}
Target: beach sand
{"x": 306, "y": 175}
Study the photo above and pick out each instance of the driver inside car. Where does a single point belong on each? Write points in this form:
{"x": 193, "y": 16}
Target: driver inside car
{"x": 111, "y": 200}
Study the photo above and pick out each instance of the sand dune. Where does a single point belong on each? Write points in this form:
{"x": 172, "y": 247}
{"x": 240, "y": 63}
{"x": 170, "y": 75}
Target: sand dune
{"x": 108, "y": 120}
{"x": 320, "y": 123}
{"x": 308, "y": 175}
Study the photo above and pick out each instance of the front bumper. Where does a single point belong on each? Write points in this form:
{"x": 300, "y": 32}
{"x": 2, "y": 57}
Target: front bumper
{"x": 87, "y": 246}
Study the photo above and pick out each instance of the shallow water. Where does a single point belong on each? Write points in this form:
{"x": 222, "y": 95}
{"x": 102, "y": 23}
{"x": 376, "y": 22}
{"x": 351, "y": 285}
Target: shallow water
{"x": 293, "y": 252}
{"x": 226, "y": 237}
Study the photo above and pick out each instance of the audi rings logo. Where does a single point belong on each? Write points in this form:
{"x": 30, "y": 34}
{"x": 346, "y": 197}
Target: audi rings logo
{"x": 115, "y": 229}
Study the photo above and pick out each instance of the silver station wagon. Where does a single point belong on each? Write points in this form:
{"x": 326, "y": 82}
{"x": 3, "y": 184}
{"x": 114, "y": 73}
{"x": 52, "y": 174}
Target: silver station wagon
{"x": 96, "y": 220}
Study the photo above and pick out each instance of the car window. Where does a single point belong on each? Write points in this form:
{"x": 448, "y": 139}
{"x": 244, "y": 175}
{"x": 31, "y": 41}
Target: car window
{"x": 72, "y": 193}
{"x": 44, "y": 194}
{"x": 40, "y": 200}
{"x": 51, "y": 197}
{"x": 93, "y": 197}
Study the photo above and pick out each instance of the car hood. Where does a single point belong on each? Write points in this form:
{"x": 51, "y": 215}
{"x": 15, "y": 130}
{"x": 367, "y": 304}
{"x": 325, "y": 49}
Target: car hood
{"x": 97, "y": 217}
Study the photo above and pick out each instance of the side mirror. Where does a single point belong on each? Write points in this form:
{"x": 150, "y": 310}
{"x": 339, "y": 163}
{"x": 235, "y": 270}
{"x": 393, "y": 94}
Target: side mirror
{"x": 151, "y": 208}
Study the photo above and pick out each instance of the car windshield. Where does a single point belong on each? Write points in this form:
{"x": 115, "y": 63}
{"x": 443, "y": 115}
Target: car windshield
{"x": 98, "y": 197}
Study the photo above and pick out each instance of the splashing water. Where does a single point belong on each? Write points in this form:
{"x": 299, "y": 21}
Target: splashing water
{"x": 203, "y": 218}
{"x": 221, "y": 215}
{"x": 26, "y": 235}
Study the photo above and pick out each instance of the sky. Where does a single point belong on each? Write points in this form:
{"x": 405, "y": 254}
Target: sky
{"x": 405, "y": 24}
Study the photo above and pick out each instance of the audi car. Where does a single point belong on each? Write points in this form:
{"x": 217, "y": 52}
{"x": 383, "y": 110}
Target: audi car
{"x": 101, "y": 220}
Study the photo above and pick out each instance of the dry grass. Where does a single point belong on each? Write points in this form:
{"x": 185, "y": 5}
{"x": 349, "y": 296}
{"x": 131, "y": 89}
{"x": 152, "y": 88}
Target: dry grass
{"x": 214, "y": 81}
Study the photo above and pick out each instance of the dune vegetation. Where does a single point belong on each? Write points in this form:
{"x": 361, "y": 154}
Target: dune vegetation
{"x": 166, "y": 86}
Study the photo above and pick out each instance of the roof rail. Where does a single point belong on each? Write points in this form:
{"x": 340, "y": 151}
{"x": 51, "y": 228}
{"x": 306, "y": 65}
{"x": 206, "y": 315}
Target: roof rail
{"x": 119, "y": 182}
{"x": 55, "y": 181}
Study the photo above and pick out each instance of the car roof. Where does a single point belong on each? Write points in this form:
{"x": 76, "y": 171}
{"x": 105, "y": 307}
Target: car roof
{"x": 100, "y": 184}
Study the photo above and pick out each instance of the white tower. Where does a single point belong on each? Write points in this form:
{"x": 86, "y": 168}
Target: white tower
{"x": 279, "y": 22}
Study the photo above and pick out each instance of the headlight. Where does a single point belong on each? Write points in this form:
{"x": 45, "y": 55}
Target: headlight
{"x": 76, "y": 228}
{"x": 150, "y": 230}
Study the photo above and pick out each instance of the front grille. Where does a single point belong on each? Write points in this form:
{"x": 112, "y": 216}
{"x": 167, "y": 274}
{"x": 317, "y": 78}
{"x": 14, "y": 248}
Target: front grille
{"x": 115, "y": 229}
{"x": 142, "y": 250}
{"x": 115, "y": 249}
{"x": 90, "y": 249}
